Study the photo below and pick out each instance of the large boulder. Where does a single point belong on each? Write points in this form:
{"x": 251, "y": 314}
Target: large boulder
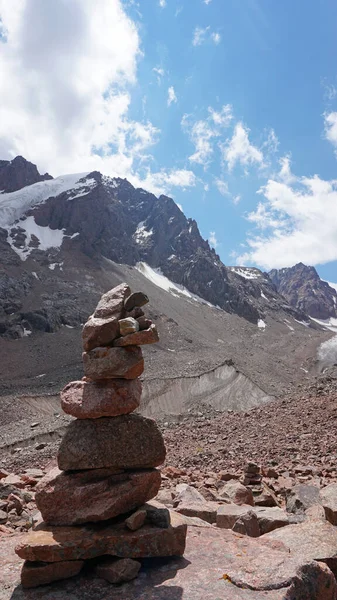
{"x": 108, "y": 363}
{"x": 95, "y": 495}
{"x": 106, "y": 398}
{"x": 124, "y": 442}
{"x": 54, "y": 544}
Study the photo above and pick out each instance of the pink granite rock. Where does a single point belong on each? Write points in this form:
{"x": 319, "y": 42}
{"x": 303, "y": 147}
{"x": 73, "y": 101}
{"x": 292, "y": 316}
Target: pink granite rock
{"x": 111, "y": 363}
{"x": 54, "y": 544}
{"x": 34, "y": 574}
{"x": 99, "y": 332}
{"x": 112, "y": 303}
{"x": 95, "y": 495}
{"x": 118, "y": 570}
{"x": 105, "y": 398}
{"x": 140, "y": 338}
{"x": 124, "y": 442}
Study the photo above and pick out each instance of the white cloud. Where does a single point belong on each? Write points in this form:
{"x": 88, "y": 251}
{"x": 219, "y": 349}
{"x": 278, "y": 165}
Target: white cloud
{"x": 285, "y": 173}
{"x": 162, "y": 3}
{"x": 212, "y": 239}
{"x": 272, "y": 143}
{"x": 239, "y": 149}
{"x": 216, "y": 37}
{"x": 222, "y": 117}
{"x": 330, "y": 125}
{"x": 202, "y": 34}
{"x": 199, "y": 35}
{"x": 330, "y": 89}
{"x": 163, "y": 181}
{"x": 224, "y": 190}
{"x": 171, "y": 96}
{"x": 222, "y": 187}
{"x": 203, "y": 132}
{"x": 201, "y": 136}
{"x": 207, "y": 1}
{"x": 160, "y": 73}
{"x": 297, "y": 219}
{"x": 66, "y": 86}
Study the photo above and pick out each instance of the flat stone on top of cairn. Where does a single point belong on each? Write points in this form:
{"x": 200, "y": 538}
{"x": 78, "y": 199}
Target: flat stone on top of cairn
{"x": 107, "y": 457}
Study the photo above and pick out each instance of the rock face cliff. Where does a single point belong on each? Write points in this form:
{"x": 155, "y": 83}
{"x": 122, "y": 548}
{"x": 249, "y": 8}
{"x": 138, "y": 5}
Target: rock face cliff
{"x": 303, "y": 288}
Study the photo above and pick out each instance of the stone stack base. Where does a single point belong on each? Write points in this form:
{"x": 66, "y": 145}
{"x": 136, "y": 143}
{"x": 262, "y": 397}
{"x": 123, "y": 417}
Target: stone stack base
{"x": 53, "y": 553}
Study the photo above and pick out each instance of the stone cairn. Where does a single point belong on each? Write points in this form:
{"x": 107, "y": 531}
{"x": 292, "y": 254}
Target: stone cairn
{"x": 96, "y": 506}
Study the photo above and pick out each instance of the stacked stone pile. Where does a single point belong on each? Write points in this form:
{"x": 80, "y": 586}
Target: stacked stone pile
{"x": 96, "y": 503}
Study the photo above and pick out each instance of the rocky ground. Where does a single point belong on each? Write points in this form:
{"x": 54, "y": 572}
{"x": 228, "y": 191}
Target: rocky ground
{"x": 293, "y": 439}
{"x": 292, "y": 433}
{"x": 295, "y": 434}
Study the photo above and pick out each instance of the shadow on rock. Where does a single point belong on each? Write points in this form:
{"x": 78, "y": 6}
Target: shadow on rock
{"x": 150, "y": 585}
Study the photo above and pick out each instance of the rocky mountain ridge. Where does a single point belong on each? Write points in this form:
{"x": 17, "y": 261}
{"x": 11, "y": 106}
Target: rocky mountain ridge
{"x": 303, "y": 288}
{"x": 49, "y": 222}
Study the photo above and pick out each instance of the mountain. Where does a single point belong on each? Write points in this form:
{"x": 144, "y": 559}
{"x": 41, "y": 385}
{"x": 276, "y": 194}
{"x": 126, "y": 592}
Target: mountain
{"x": 17, "y": 173}
{"x": 304, "y": 290}
{"x": 226, "y": 333}
{"x": 96, "y": 216}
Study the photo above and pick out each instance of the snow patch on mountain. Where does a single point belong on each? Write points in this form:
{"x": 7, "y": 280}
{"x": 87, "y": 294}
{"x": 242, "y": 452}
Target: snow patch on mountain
{"x": 330, "y": 324}
{"x": 141, "y": 234}
{"x": 47, "y": 237}
{"x": 248, "y": 272}
{"x": 157, "y": 277}
{"x": 84, "y": 190}
{"x": 14, "y": 205}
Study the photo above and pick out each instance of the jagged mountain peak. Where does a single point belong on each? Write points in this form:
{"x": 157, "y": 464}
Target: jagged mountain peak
{"x": 18, "y": 173}
{"x": 303, "y": 288}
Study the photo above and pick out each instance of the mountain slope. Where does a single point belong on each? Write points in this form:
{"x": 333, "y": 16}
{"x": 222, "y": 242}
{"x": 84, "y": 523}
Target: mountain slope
{"x": 304, "y": 290}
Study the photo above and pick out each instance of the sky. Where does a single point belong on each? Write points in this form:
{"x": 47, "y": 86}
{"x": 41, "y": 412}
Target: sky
{"x": 228, "y": 106}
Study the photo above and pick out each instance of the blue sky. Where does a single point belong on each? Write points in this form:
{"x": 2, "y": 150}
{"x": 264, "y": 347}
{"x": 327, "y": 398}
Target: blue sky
{"x": 228, "y": 106}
